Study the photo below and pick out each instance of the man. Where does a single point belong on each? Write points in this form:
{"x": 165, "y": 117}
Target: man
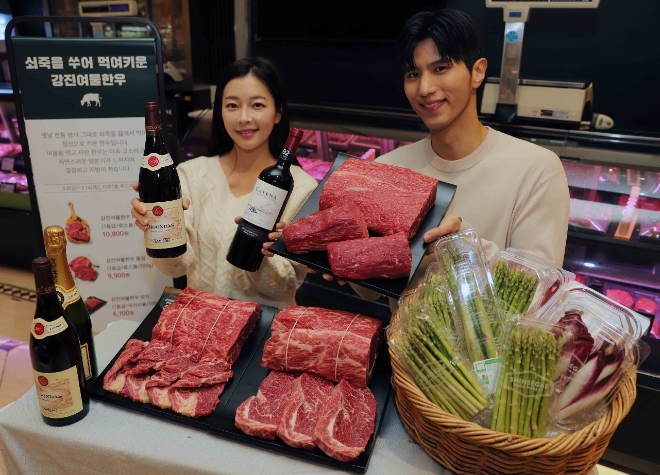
{"x": 513, "y": 193}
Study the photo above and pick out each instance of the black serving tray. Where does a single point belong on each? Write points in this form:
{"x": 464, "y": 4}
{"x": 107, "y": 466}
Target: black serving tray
{"x": 391, "y": 287}
{"x": 143, "y": 332}
{"x": 248, "y": 375}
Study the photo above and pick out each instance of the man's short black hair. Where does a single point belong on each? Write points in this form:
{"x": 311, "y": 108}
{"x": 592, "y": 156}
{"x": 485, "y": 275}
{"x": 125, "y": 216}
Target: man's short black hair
{"x": 454, "y": 33}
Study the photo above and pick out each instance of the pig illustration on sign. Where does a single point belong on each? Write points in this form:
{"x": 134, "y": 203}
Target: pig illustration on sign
{"x": 89, "y": 98}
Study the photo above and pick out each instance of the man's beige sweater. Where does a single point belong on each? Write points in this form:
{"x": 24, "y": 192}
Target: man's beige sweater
{"x": 210, "y": 228}
{"x": 512, "y": 192}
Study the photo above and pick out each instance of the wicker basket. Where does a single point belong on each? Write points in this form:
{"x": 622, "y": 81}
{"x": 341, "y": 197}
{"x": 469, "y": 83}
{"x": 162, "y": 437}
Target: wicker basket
{"x": 467, "y": 448}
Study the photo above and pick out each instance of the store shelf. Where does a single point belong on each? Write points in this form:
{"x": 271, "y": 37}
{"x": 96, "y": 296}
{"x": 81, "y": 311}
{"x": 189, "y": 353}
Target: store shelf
{"x": 16, "y": 201}
{"x": 641, "y": 246}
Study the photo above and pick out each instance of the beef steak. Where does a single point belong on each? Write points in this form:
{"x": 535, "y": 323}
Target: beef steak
{"x": 308, "y": 396}
{"x": 392, "y": 199}
{"x": 332, "y": 344}
{"x": 258, "y": 415}
{"x": 208, "y": 322}
{"x": 114, "y": 380}
{"x": 386, "y": 257}
{"x": 314, "y": 232}
{"x": 346, "y": 422}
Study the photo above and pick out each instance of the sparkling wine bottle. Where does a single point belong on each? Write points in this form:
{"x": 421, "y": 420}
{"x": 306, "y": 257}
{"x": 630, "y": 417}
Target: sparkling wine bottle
{"x": 72, "y": 303}
{"x": 160, "y": 191}
{"x": 57, "y": 363}
{"x": 264, "y": 208}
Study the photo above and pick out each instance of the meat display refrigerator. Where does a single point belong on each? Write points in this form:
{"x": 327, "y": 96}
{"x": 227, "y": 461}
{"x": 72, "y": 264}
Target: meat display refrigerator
{"x": 17, "y": 241}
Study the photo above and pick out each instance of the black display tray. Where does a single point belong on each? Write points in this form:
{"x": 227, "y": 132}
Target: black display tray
{"x": 390, "y": 287}
{"x": 248, "y": 375}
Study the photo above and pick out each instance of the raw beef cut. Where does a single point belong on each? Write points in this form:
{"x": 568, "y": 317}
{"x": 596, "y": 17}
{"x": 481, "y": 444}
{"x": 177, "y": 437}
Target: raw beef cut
{"x": 77, "y": 231}
{"x": 93, "y": 303}
{"x": 386, "y": 257}
{"x": 645, "y": 305}
{"x": 308, "y": 396}
{"x": 114, "y": 380}
{"x": 208, "y": 322}
{"x": 82, "y": 268}
{"x": 392, "y": 199}
{"x": 346, "y": 422}
{"x": 135, "y": 387}
{"x": 196, "y": 402}
{"x": 332, "y": 344}
{"x": 159, "y": 384}
{"x": 258, "y": 415}
{"x": 154, "y": 356}
{"x": 314, "y": 232}
{"x": 620, "y": 296}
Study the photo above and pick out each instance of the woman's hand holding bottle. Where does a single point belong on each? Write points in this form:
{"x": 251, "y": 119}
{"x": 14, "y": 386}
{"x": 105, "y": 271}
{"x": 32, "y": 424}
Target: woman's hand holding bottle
{"x": 274, "y": 236}
{"x": 139, "y": 211}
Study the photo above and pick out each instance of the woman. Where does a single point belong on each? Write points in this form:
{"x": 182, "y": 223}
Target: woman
{"x": 250, "y": 126}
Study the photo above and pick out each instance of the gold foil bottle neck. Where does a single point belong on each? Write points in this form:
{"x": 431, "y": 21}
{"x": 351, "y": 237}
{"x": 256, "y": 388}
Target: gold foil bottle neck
{"x": 54, "y": 240}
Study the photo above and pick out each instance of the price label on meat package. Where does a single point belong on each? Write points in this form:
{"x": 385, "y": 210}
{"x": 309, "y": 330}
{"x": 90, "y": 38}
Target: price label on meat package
{"x": 264, "y": 205}
{"x": 487, "y": 371}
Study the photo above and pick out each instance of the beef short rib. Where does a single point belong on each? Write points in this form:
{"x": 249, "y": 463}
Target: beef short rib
{"x": 392, "y": 199}
{"x": 332, "y": 344}
{"x": 386, "y": 257}
{"x": 258, "y": 415}
{"x": 346, "y": 422}
{"x": 314, "y": 232}
{"x": 308, "y": 396}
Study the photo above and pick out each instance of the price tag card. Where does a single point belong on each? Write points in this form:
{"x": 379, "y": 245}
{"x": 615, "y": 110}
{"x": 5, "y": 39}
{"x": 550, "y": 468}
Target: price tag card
{"x": 7, "y": 187}
{"x": 7, "y": 164}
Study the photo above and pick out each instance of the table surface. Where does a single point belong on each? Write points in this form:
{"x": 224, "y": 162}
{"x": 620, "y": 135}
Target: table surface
{"x": 111, "y": 440}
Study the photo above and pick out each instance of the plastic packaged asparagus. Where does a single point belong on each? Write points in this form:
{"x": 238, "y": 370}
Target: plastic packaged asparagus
{"x": 602, "y": 343}
{"x": 524, "y": 283}
{"x": 462, "y": 263}
{"x": 433, "y": 358}
{"x": 525, "y": 383}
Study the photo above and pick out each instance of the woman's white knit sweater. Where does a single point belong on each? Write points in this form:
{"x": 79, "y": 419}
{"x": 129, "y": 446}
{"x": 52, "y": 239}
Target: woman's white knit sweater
{"x": 210, "y": 227}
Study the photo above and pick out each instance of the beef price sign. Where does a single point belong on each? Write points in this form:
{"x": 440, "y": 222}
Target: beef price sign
{"x": 82, "y": 102}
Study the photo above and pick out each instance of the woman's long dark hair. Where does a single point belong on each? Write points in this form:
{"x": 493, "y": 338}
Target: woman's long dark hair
{"x": 266, "y": 71}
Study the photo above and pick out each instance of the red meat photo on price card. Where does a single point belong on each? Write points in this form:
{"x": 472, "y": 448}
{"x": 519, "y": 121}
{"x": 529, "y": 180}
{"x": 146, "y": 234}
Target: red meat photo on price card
{"x": 83, "y": 268}
{"x": 77, "y": 229}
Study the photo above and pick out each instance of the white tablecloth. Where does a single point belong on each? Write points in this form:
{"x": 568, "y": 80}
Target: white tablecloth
{"x": 115, "y": 441}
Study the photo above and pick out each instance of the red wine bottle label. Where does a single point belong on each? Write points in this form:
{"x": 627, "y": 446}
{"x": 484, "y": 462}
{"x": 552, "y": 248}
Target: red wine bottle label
{"x": 153, "y": 161}
{"x": 42, "y": 329}
{"x": 58, "y": 393}
{"x": 67, "y": 296}
{"x": 166, "y": 226}
{"x": 264, "y": 205}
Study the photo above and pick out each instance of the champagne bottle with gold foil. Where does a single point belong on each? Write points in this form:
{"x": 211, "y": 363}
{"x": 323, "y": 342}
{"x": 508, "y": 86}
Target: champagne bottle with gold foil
{"x": 55, "y": 354}
{"x": 72, "y": 302}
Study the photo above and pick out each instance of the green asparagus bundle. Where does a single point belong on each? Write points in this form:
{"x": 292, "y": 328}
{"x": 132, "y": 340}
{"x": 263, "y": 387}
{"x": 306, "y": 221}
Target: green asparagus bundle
{"x": 476, "y": 310}
{"x": 428, "y": 348}
{"x": 435, "y": 296}
{"x": 515, "y": 287}
{"x": 524, "y": 386}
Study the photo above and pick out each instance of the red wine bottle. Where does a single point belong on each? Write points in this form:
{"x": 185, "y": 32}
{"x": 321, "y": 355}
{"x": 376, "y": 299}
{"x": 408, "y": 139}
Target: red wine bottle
{"x": 160, "y": 191}
{"x": 57, "y": 363}
{"x": 264, "y": 208}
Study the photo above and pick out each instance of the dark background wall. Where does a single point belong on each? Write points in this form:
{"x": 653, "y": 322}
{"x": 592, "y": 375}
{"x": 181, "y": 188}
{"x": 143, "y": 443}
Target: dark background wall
{"x": 617, "y": 46}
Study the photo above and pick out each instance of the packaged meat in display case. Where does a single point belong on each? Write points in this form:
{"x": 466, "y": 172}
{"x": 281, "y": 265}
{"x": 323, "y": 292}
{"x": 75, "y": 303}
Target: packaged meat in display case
{"x": 332, "y": 344}
{"x": 591, "y": 217}
{"x": 314, "y": 232}
{"x": 386, "y": 257}
{"x": 644, "y": 302}
{"x": 649, "y": 229}
{"x": 524, "y": 283}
